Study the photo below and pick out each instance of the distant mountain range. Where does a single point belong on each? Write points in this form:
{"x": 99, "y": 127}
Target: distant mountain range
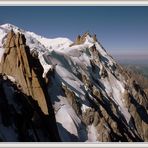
{"x": 139, "y": 68}
{"x": 134, "y": 59}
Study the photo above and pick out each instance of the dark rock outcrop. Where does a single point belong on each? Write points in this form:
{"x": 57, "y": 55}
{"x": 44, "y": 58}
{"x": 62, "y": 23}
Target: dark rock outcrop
{"x": 21, "y": 116}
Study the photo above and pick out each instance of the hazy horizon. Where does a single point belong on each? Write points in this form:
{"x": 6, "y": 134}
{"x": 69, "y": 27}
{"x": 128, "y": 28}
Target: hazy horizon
{"x": 135, "y": 59}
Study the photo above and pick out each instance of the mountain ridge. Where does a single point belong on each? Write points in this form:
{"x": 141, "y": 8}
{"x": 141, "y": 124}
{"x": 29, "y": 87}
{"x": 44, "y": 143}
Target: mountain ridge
{"x": 100, "y": 101}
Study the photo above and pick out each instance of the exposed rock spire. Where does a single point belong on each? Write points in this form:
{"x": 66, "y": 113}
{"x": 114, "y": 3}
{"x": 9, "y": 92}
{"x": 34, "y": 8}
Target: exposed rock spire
{"x": 27, "y": 70}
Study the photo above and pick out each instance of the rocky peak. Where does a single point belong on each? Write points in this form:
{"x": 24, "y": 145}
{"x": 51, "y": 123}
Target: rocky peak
{"x": 18, "y": 62}
{"x": 95, "y": 37}
{"x": 82, "y": 38}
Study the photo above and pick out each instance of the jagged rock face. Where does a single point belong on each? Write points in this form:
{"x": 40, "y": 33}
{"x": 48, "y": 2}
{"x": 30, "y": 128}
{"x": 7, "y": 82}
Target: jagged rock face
{"x": 94, "y": 99}
{"x": 27, "y": 70}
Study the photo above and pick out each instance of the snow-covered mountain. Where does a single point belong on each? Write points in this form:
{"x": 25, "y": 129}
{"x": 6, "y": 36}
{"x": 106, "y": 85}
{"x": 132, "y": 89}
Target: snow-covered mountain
{"x": 85, "y": 95}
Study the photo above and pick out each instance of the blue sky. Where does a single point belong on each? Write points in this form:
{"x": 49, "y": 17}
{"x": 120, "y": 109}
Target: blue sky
{"x": 119, "y": 29}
